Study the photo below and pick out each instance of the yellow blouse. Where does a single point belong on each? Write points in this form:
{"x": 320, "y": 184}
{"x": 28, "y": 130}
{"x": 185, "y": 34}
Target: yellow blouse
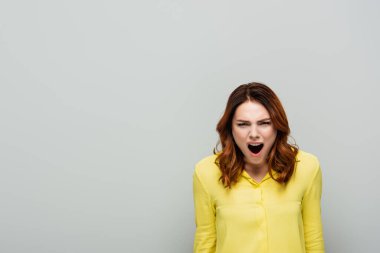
{"x": 264, "y": 217}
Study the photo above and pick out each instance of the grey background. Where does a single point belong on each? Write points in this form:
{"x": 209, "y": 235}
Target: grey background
{"x": 107, "y": 105}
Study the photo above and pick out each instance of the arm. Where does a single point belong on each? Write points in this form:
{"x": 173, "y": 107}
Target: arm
{"x": 205, "y": 234}
{"x": 311, "y": 215}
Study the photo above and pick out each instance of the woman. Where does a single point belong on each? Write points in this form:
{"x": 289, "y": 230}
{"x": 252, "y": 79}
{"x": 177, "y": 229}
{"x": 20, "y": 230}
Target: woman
{"x": 259, "y": 194}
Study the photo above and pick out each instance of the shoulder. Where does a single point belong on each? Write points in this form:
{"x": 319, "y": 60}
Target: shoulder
{"x": 307, "y": 158}
{"x": 207, "y": 170}
{"x": 307, "y": 165}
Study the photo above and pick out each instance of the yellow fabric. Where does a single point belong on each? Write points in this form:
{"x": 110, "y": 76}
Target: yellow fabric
{"x": 264, "y": 217}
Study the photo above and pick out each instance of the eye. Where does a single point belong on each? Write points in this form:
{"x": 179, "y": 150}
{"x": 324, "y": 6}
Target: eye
{"x": 265, "y": 123}
{"x": 242, "y": 124}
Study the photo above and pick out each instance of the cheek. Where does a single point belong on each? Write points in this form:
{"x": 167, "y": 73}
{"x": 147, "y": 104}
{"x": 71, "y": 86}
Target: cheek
{"x": 238, "y": 137}
{"x": 234, "y": 137}
{"x": 236, "y": 133}
{"x": 270, "y": 135}
{"x": 273, "y": 136}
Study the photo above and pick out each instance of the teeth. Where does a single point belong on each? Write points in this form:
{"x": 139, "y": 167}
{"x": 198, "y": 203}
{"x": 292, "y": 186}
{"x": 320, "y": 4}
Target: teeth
{"x": 255, "y": 144}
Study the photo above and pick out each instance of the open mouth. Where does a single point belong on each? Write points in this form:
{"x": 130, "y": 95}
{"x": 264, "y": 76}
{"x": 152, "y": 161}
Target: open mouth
{"x": 255, "y": 148}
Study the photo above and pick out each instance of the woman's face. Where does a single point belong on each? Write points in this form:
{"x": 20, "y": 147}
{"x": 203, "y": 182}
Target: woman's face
{"x": 251, "y": 124}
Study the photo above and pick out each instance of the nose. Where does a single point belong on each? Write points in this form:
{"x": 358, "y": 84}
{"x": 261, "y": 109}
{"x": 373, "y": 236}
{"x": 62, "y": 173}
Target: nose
{"x": 253, "y": 134}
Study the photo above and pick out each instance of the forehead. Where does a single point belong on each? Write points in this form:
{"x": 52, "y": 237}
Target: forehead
{"x": 251, "y": 111}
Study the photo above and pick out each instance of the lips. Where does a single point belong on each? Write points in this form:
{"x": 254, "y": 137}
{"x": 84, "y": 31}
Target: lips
{"x": 255, "y": 147}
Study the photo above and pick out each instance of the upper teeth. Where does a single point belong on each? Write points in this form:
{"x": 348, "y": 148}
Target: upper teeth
{"x": 254, "y": 144}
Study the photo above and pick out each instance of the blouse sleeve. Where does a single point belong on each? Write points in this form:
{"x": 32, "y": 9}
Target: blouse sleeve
{"x": 311, "y": 214}
{"x": 205, "y": 234}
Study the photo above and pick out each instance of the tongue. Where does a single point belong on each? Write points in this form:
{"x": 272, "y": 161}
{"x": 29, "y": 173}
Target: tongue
{"x": 255, "y": 149}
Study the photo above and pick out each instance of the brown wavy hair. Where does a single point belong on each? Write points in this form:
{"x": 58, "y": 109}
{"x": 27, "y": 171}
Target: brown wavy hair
{"x": 282, "y": 156}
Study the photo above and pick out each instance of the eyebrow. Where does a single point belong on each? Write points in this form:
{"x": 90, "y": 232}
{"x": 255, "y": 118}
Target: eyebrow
{"x": 240, "y": 120}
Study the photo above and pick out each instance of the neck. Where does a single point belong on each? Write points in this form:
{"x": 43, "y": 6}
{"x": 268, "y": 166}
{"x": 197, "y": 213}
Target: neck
{"x": 255, "y": 171}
